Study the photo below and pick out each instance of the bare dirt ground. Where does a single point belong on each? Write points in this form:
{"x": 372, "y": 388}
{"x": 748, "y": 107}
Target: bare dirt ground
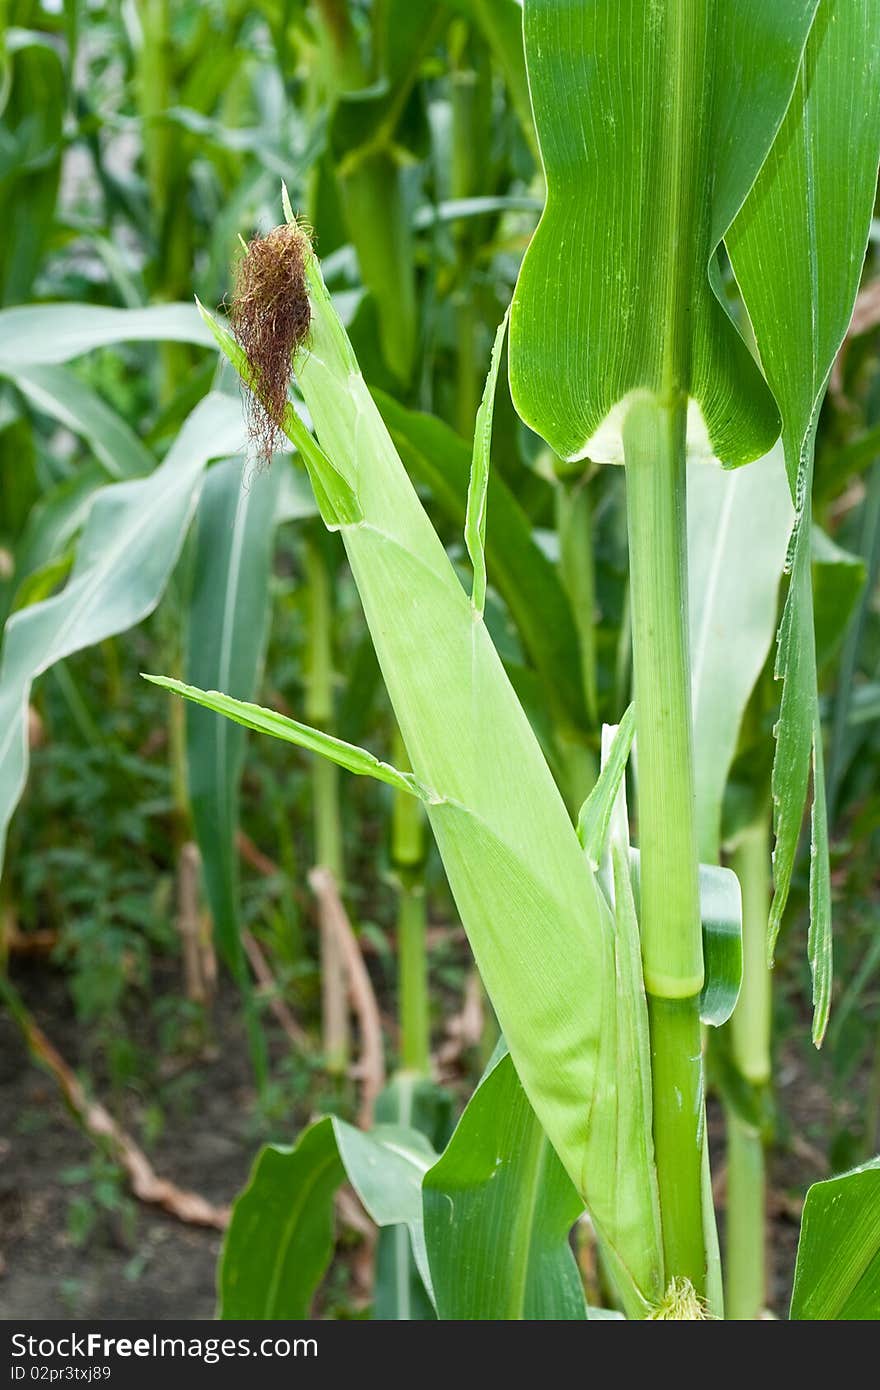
{"x": 141, "y": 1263}
{"x": 162, "y": 1268}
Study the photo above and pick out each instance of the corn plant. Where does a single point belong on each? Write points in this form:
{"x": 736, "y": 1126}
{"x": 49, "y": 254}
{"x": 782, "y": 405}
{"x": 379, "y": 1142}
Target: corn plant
{"x": 682, "y": 146}
{"x": 661, "y": 135}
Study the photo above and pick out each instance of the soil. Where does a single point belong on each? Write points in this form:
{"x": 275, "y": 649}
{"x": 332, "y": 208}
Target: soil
{"x": 164, "y": 1268}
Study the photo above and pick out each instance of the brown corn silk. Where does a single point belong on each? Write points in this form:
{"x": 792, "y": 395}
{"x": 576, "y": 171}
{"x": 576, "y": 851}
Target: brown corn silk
{"x": 270, "y": 317}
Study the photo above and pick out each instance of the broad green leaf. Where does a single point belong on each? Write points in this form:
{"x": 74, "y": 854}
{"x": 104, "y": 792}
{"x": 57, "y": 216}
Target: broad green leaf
{"x": 498, "y": 1209}
{"x": 436, "y": 457}
{"x": 40, "y": 335}
{"x": 797, "y": 250}
{"x": 128, "y": 549}
{"x": 267, "y": 721}
{"x": 53, "y": 521}
{"x": 478, "y": 485}
{"x": 227, "y": 618}
{"x": 738, "y": 528}
{"x": 837, "y": 1276}
{"x": 653, "y": 121}
{"x": 280, "y": 1238}
{"x": 57, "y": 392}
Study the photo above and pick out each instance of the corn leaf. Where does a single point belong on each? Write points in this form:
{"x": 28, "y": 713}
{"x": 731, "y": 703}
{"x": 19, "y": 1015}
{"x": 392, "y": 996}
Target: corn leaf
{"x": 38, "y": 335}
{"x": 129, "y": 546}
{"x": 280, "y": 1238}
{"x": 797, "y": 250}
{"x": 227, "y": 618}
{"x": 54, "y": 521}
{"x": 267, "y": 721}
{"x": 57, "y": 392}
{"x": 478, "y": 485}
{"x": 498, "y": 1208}
{"x": 653, "y": 121}
{"x": 738, "y": 528}
{"x": 837, "y": 1276}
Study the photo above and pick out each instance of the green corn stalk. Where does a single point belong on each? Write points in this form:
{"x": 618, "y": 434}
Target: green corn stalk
{"x": 622, "y": 351}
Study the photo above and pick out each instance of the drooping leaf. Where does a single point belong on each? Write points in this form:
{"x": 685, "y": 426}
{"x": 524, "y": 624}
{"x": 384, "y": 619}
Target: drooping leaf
{"x": 738, "y": 528}
{"x": 54, "y": 521}
{"x": 40, "y": 335}
{"x": 280, "y": 1238}
{"x": 227, "y": 617}
{"x": 127, "y": 551}
{"x": 797, "y": 249}
{"x": 498, "y": 1208}
{"x": 267, "y": 721}
{"x": 58, "y": 392}
{"x": 653, "y": 121}
{"x": 837, "y": 1276}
